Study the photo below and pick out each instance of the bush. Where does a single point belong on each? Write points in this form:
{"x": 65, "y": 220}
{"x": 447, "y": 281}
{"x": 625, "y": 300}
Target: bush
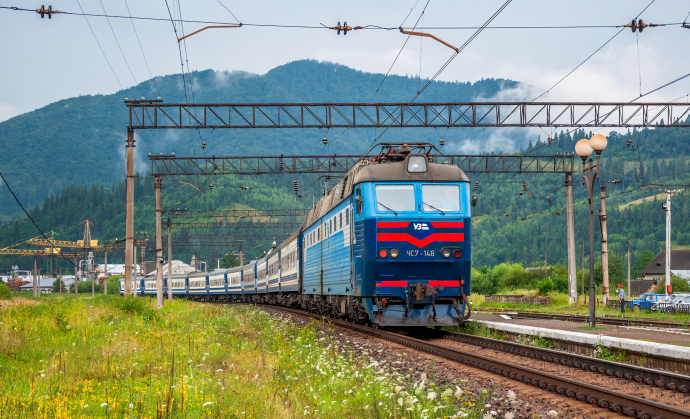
{"x": 5, "y": 292}
{"x": 677, "y": 283}
{"x": 135, "y": 305}
{"x": 56, "y": 286}
{"x": 545, "y": 286}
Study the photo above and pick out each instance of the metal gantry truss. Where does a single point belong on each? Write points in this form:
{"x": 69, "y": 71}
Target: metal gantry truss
{"x": 287, "y": 212}
{"x": 224, "y": 237}
{"x": 152, "y": 115}
{"x": 222, "y": 224}
{"x": 170, "y": 165}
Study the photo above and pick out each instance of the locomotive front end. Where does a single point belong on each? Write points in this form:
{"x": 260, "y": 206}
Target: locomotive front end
{"x": 413, "y": 250}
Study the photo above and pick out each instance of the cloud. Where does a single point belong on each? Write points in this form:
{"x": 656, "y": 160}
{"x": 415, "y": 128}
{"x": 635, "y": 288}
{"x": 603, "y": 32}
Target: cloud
{"x": 8, "y": 111}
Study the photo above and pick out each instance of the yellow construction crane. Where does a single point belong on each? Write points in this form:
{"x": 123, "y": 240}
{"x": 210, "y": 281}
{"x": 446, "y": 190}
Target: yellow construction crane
{"x": 79, "y": 244}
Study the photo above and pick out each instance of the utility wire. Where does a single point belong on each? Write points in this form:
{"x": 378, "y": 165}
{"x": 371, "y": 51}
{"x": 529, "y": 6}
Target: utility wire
{"x": 590, "y": 56}
{"x": 99, "y": 46}
{"x": 369, "y": 27}
{"x": 399, "y": 52}
{"x": 24, "y": 167}
{"x": 29, "y": 216}
{"x": 226, "y": 8}
{"x": 462, "y": 47}
{"x": 121, "y": 52}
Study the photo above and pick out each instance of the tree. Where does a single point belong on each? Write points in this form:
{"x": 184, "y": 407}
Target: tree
{"x": 229, "y": 261}
{"x": 56, "y": 286}
{"x": 642, "y": 261}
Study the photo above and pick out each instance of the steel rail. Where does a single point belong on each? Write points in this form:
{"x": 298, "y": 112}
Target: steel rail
{"x": 650, "y": 376}
{"x": 580, "y": 318}
{"x": 628, "y": 405}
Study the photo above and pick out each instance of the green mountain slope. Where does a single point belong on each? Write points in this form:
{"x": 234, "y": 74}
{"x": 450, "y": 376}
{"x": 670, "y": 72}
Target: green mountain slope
{"x": 80, "y": 141}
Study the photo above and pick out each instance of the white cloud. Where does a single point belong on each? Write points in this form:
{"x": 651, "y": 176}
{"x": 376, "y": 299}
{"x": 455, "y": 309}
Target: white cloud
{"x": 7, "y": 111}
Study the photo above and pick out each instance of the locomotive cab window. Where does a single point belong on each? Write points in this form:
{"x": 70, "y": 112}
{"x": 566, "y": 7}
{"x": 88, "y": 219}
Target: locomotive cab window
{"x": 441, "y": 198}
{"x": 393, "y": 198}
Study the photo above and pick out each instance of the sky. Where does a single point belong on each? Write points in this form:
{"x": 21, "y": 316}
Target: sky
{"x": 48, "y": 60}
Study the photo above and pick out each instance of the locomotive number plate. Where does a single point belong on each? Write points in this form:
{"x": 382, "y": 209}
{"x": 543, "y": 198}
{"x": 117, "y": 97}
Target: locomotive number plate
{"x": 414, "y": 253}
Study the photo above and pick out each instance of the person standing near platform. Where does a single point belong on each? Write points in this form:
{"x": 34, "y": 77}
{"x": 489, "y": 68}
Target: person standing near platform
{"x": 621, "y": 298}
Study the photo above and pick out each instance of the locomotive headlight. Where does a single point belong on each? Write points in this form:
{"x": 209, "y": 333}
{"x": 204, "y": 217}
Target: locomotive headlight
{"x": 416, "y": 164}
{"x": 445, "y": 253}
{"x": 395, "y": 253}
{"x": 383, "y": 253}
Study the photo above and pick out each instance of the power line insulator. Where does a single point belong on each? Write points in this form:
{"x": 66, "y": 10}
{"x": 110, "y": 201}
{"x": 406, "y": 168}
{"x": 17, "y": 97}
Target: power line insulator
{"x": 49, "y": 11}
{"x": 210, "y": 187}
{"x": 203, "y": 145}
{"x": 476, "y": 185}
{"x": 441, "y": 142}
{"x": 294, "y": 185}
{"x": 629, "y": 143}
{"x": 635, "y": 25}
{"x": 325, "y": 141}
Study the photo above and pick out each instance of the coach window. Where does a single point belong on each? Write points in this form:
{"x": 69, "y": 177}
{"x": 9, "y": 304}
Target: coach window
{"x": 347, "y": 216}
{"x": 393, "y": 198}
{"x": 341, "y": 220}
{"x": 439, "y": 198}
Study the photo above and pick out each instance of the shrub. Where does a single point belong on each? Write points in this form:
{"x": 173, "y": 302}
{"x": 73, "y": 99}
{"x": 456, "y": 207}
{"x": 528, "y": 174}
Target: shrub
{"x": 545, "y": 286}
{"x": 677, "y": 283}
{"x": 56, "y": 286}
{"x": 135, "y": 305}
{"x": 5, "y": 292}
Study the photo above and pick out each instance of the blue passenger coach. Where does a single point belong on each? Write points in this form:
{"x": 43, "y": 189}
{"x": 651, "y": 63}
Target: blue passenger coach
{"x": 388, "y": 245}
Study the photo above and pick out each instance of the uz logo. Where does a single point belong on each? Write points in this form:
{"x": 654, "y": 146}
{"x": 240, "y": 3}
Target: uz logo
{"x": 420, "y": 226}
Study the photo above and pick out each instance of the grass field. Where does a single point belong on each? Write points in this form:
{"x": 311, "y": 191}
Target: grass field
{"x": 114, "y": 357}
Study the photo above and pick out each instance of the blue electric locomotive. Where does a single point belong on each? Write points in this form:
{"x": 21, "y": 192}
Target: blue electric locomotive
{"x": 388, "y": 245}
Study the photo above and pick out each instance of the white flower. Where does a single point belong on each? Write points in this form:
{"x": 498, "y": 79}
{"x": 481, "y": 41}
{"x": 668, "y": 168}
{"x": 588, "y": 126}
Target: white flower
{"x": 398, "y": 388}
{"x": 110, "y": 324}
{"x": 400, "y": 401}
{"x": 509, "y": 415}
{"x": 219, "y": 370}
{"x": 431, "y": 395}
{"x": 256, "y": 376}
{"x": 206, "y": 404}
{"x": 552, "y": 413}
{"x": 104, "y": 404}
{"x": 458, "y": 392}
{"x": 511, "y": 395}
{"x": 131, "y": 406}
{"x": 380, "y": 403}
{"x": 366, "y": 407}
{"x": 43, "y": 375}
{"x": 494, "y": 413}
{"x": 135, "y": 364}
{"x": 85, "y": 406}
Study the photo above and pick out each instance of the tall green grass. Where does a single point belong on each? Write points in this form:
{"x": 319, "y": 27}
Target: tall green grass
{"x": 112, "y": 357}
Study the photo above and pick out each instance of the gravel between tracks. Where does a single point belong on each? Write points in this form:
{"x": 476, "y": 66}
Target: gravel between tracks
{"x": 510, "y": 399}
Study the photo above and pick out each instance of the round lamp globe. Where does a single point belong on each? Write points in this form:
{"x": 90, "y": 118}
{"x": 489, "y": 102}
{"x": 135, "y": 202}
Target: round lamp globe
{"x": 583, "y": 149}
{"x": 598, "y": 142}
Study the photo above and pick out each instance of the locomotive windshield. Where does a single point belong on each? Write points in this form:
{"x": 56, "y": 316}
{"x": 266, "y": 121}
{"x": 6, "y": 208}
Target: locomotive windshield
{"x": 441, "y": 197}
{"x": 395, "y": 197}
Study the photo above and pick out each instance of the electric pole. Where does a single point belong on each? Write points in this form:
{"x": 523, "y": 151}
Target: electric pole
{"x": 629, "y": 291}
{"x": 60, "y": 279}
{"x": 33, "y": 277}
{"x": 105, "y": 270}
{"x": 570, "y": 221}
{"x": 170, "y": 287}
{"x": 129, "y": 222}
{"x": 604, "y": 245}
{"x": 76, "y": 274}
{"x": 668, "y": 244}
{"x": 159, "y": 245}
{"x": 583, "y": 270}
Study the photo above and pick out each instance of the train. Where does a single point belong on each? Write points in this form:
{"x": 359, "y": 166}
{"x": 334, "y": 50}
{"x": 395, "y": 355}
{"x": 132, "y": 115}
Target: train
{"x": 389, "y": 245}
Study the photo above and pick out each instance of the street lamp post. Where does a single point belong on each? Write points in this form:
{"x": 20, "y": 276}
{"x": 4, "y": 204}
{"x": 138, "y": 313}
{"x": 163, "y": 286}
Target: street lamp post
{"x": 590, "y": 173}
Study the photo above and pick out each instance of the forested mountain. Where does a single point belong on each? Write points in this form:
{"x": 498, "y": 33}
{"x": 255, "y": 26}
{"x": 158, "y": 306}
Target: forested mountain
{"x": 75, "y": 148}
{"x": 80, "y": 141}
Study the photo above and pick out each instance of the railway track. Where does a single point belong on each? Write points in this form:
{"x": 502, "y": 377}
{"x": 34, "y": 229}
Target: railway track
{"x": 616, "y": 401}
{"x": 613, "y": 321}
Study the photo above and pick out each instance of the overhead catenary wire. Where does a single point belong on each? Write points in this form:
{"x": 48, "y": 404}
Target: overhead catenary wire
{"x": 369, "y": 27}
{"x": 100, "y": 47}
{"x": 590, "y": 56}
{"x": 29, "y": 216}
